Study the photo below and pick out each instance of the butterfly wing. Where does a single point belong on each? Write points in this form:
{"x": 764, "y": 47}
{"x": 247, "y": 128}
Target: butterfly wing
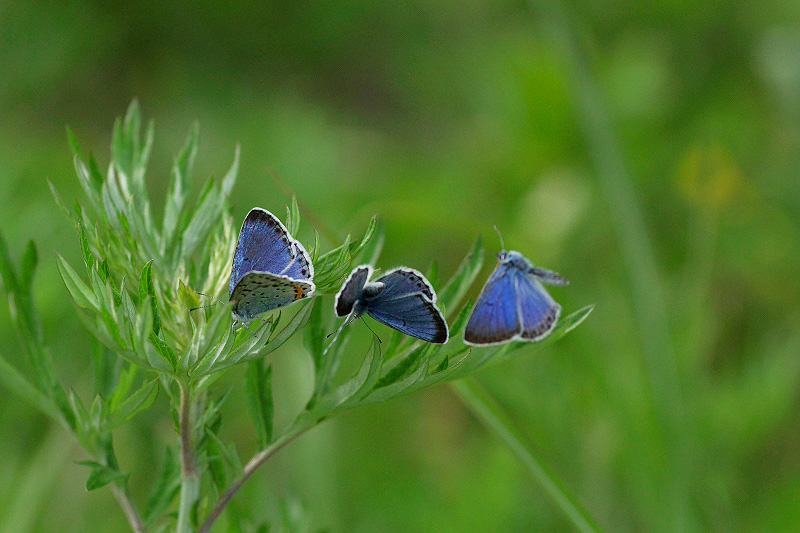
{"x": 404, "y": 280}
{"x": 351, "y": 289}
{"x": 413, "y": 314}
{"x": 538, "y": 311}
{"x": 259, "y": 292}
{"x": 265, "y": 245}
{"x": 495, "y": 317}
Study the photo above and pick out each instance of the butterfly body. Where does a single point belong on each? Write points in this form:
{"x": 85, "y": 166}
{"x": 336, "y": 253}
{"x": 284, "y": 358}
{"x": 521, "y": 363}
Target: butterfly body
{"x": 402, "y": 299}
{"x": 513, "y": 304}
{"x": 271, "y": 269}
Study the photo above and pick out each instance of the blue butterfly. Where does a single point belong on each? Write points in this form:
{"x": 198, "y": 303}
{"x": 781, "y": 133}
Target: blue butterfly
{"x": 513, "y": 304}
{"x": 271, "y": 268}
{"x": 402, "y": 299}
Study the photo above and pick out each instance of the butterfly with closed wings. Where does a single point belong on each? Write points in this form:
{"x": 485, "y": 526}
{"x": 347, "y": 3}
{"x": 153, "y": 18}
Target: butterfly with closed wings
{"x": 271, "y": 269}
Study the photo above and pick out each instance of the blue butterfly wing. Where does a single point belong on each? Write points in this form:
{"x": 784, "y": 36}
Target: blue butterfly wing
{"x": 405, "y": 280}
{"x": 300, "y": 267}
{"x": 495, "y": 317}
{"x": 538, "y": 311}
{"x": 413, "y": 314}
{"x": 265, "y": 245}
{"x": 352, "y": 289}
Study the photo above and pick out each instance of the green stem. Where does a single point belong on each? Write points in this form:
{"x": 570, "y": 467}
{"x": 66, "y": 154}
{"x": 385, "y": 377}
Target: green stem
{"x": 124, "y": 500}
{"x": 190, "y": 477}
{"x": 254, "y": 464}
{"x": 486, "y": 408}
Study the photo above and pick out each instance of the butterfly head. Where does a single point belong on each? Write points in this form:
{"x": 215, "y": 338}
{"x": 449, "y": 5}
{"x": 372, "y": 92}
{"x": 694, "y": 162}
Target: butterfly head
{"x": 515, "y": 259}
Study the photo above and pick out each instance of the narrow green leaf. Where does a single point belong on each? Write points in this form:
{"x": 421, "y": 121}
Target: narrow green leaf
{"x": 188, "y": 296}
{"x": 433, "y": 274}
{"x": 104, "y": 270}
{"x": 83, "y": 296}
{"x": 404, "y": 367}
{"x": 369, "y": 235}
{"x": 258, "y": 391}
{"x": 298, "y": 320}
{"x": 229, "y": 180}
{"x": 126, "y": 379}
{"x": 101, "y": 475}
{"x": 138, "y": 401}
{"x": 73, "y": 142}
{"x": 164, "y": 349}
{"x": 492, "y": 414}
{"x": 372, "y": 244}
{"x": 293, "y": 218}
{"x": 315, "y": 248}
{"x": 381, "y": 394}
{"x": 29, "y": 261}
{"x": 86, "y": 249}
{"x": 95, "y": 176}
{"x": 568, "y": 323}
{"x": 61, "y": 205}
{"x": 216, "y": 462}
{"x": 461, "y": 320}
{"x": 443, "y": 365}
{"x": 165, "y": 489}
{"x": 147, "y": 288}
{"x": 352, "y": 390}
{"x": 199, "y": 226}
{"x": 87, "y": 181}
{"x": 103, "y": 367}
{"x": 228, "y": 453}
{"x": 7, "y": 269}
{"x": 315, "y": 336}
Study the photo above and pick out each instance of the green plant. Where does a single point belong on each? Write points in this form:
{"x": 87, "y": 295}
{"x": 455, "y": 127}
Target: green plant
{"x": 135, "y": 294}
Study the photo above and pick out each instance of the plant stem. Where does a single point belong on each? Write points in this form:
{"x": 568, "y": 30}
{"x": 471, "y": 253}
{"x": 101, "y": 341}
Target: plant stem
{"x": 485, "y": 407}
{"x": 124, "y": 500}
{"x": 254, "y": 464}
{"x": 190, "y": 478}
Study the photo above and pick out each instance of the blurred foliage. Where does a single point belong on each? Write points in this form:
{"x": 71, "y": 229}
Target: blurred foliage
{"x": 447, "y": 118}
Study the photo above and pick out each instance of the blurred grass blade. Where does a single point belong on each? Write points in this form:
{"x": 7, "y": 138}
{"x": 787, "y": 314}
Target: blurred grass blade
{"x": 33, "y": 487}
{"x": 8, "y": 272}
{"x": 258, "y": 391}
{"x": 637, "y": 250}
{"x": 29, "y": 261}
{"x": 165, "y": 489}
{"x": 13, "y": 380}
{"x": 488, "y": 410}
{"x": 464, "y": 276}
{"x": 229, "y": 180}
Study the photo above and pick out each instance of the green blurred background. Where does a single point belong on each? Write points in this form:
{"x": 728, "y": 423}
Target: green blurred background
{"x": 674, "y": 407}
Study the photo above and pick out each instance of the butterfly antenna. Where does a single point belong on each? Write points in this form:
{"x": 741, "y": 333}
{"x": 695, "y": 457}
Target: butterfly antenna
{"x": 336, "y": 333}
{"x": 376, "y": 335}
{"x": 212, "y": 297}
{"x": 502, "y": 243}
